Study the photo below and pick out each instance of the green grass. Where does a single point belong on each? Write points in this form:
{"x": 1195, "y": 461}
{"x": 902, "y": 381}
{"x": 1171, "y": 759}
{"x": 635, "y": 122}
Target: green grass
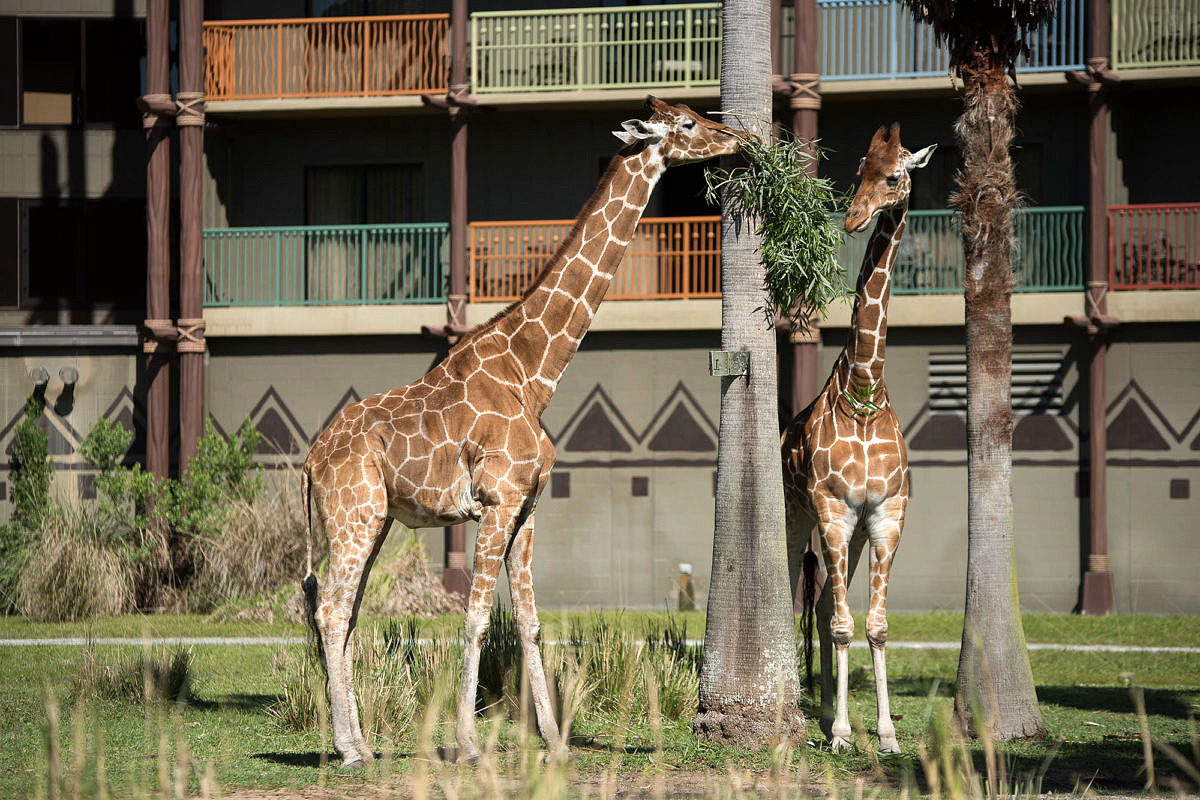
{"x": 1142, "y": 630}
{"x": 1084, "y": 697}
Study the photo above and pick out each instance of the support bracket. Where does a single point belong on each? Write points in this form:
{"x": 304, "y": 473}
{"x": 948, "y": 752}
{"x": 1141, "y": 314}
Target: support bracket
{"x": 724, "y": 362}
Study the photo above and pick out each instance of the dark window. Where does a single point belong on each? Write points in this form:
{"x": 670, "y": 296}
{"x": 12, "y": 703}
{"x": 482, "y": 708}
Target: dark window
{"x": 10, "y": 72}
{"x": 364, "y": 8}
{"x": 113, "y": 80}
{"x": 640, "y": 486}
{"x": 560, "y": 484}
{"x": 50, "y": 72}
{"x": 1181, "y": 488}
{"x": 81, "y": 253}
{"x": 10, "y": 253}
{"x": 364, "y": 194}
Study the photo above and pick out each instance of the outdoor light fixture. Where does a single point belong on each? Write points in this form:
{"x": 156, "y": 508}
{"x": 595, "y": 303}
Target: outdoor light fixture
{"x": 69, "y": 375}
{"x": 40, "y": 377}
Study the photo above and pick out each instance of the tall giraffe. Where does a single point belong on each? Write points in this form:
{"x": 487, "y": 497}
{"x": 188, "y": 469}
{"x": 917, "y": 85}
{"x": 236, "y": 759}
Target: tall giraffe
{"x": 844, "y": 461}
{"x": 466, "y": 441}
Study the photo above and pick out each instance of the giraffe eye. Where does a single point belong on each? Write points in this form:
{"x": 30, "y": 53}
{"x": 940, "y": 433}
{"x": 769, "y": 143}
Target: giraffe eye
{"x": 892, "y": 180}
{"x": 689, "y": 125}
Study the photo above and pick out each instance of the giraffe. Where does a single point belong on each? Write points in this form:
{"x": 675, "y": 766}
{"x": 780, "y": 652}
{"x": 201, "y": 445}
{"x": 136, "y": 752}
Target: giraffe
{"x": 845, "y": 465}
{"x": 466, "y": 442}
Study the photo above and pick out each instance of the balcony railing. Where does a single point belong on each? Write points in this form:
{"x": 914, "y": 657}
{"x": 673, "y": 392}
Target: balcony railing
{"x": 1154, "y": 246}
{"x": 325, "y": 265}
{"x": 676, "y": 257}
{"x": 333, "y": 57}
{"x": 1155, "y": 33}
{"x": 595, "y": 48}
{"x": 1049, "y": 256}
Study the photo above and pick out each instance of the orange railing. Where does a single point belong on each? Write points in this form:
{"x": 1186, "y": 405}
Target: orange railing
{"x": 334, "y": 57}
{"x": 1154, "y": 246}
{"x": 669, "y": 257}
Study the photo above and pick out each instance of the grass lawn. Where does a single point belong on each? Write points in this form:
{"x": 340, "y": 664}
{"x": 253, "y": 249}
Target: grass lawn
{"x": 1085, "y": 701}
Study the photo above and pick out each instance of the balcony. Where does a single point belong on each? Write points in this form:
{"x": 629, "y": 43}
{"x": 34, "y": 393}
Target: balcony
{"x": 1155, "y": 33}
{"x": 1154, "y": 246}
{"x": 335, "y": 57}
{"x": 325, "y": 265}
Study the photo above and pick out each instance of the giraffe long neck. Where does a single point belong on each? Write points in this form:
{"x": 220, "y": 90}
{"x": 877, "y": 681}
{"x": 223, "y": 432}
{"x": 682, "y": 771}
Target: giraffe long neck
{"x": 547, "y": 325}
{"x": 863, "y": 358}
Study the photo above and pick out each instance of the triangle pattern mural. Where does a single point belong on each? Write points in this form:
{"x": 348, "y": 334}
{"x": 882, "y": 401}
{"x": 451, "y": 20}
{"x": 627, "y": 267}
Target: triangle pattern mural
{"x": 281, "y": 432}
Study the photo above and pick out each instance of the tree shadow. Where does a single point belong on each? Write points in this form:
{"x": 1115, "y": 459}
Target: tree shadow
{"x": 238, "y": 701}
{"x": 1159, "y": 702}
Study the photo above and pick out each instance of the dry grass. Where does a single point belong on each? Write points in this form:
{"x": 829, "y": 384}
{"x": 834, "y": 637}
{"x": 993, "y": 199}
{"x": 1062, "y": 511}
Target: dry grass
{"x": 155, "y": 674}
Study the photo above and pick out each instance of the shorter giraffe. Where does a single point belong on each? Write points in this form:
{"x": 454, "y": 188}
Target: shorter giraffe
{"x": 844, "y": 461}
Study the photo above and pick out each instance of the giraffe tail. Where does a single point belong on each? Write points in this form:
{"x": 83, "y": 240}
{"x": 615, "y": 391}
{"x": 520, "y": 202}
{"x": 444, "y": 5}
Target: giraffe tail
{"x": 809, "y": 581}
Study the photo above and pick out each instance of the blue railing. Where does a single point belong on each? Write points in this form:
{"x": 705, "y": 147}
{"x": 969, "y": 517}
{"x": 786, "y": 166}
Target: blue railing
{"x": 325, "y": 265}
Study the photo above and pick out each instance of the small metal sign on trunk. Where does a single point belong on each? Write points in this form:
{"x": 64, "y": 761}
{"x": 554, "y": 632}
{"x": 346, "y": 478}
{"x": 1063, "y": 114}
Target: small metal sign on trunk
{"x": 721, "y": 362}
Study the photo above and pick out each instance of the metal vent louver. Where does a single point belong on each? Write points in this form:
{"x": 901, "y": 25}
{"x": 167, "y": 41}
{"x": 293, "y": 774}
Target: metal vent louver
{"x": 1037, "y": 377}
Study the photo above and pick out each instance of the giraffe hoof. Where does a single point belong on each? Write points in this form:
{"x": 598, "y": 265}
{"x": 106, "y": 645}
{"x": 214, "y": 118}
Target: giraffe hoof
{"x": 891, "y": 748}
{"x": 840, "y": 744}
{"x": 350, "y": 765}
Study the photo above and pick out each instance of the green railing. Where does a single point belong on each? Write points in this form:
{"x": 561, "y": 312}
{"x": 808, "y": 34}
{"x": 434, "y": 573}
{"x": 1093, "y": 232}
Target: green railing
{"x": 595, "y": 48}
{"x": 325, "y": 265}
{"x": 1155, "y": 33}
{"x": 1049, "y": 256}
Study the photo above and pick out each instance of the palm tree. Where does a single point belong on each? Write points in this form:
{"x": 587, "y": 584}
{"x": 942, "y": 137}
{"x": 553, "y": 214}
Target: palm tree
{"x": 748, "y": 680}
{"x": 984, "y": 38}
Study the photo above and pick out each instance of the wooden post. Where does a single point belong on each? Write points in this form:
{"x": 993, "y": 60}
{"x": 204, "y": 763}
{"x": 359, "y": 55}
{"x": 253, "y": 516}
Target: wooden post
{"x": 190, "y": 120}
{"x": 455, "y": 577}
{"x": 1096, "y": 595}
{"x": 158, "y": 324}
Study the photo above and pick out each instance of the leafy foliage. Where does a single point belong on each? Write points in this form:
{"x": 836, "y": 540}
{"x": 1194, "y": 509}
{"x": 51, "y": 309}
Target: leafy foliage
{"x": 969, "y": 28}
{"x": 220, "y": 472}
{"x": 793, "y": 211}
{"x": 31, "y": 479}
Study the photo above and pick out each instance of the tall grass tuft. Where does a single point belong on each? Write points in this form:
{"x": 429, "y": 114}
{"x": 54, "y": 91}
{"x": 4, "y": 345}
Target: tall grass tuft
{"x": 156, "y": 674}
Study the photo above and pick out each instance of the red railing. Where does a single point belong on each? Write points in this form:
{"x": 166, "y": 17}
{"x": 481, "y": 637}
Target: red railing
{"x": 669, "y": 257}
{"x": 1154, "y": 246}
{"x": 334, "y": 57}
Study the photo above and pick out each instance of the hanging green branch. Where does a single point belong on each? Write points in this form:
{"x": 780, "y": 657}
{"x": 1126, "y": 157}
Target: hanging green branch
{"x": 794, "y": 213}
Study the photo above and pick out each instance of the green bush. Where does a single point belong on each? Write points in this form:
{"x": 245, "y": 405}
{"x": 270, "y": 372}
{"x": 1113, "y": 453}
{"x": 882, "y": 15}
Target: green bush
{"x": 31, "y": 478}
{"x": 220, "y": 472}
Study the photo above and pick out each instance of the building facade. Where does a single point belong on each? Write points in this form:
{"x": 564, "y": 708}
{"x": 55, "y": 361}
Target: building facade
{"x": 328, "y": 183}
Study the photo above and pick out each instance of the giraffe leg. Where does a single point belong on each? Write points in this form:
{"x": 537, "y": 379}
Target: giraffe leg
{"x": 841, "y": 550}
{"x": 885, "y": 527}
{"x": 495, "y": 529}
{"x": 367, "y": 754}
{"x": 335, "y": 612}
{"x": 520, "y": 578}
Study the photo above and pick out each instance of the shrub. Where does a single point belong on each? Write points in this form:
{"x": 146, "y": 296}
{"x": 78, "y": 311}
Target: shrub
{"x": 72, "y": 573}
{"x": 219, "y": 473}
{"x": 31, "y": 476}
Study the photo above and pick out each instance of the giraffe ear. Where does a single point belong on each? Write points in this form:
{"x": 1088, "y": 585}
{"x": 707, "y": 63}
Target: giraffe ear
{"x": 920, "y": 158}
{"x": 623, "y": 136}
{"x": 640, "y": 129}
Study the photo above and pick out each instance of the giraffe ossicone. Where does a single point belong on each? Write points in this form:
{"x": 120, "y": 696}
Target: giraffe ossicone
{"x": 466, "y": 442}
{"x": 845, "y": 466}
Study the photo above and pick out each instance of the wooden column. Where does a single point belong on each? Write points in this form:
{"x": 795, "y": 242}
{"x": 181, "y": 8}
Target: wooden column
{"x": 805, "y": 104}
{"x": 190, "y": 119}
{"x": 1096, "y": 596}
{"x": 158, "y": 325}
{"x": 455, "y": 577}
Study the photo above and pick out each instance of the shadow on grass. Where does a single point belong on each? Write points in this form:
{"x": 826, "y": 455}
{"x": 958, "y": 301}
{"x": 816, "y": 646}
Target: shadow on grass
{"x": 594, "y": 744}
{"x": 239, "y": 702}
{"x": 312, "y": 759}
{"x": 1172, "y": 703}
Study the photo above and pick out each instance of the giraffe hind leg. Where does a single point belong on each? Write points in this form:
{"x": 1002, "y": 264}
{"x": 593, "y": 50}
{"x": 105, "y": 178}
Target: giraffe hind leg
{"x": 885, "y": 530}
{"x": 336, "y": 609}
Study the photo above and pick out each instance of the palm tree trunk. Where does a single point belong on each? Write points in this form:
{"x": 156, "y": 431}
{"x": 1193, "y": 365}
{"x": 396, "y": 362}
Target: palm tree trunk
{"x": 996, "y": 695}
{"x": 748, "y": 681}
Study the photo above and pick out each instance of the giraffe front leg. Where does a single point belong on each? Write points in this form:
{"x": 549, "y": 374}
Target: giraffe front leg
{"x": 885, "y": 536}
{"x": 520, "y": 578}
{"x": 841, "y": 551}
{"x": 495, "y": 528}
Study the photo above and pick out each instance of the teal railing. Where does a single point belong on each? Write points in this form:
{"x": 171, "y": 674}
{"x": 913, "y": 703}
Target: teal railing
{"x": 1049, "y": 255}
{"x": 1155, "y": 33}
{"x": 325, "y": 265}
{"x": 595, "y": 48}
{"x": 680, "y": 45}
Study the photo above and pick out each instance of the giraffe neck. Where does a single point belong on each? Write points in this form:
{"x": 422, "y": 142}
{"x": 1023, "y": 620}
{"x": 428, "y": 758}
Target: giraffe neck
{"x": 863, "y": 358}
{"x": 546, "y": 326}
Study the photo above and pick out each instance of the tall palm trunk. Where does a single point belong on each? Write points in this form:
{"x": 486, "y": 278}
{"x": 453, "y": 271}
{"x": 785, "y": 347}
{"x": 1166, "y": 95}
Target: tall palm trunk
{"x": 995, "y": 684}
{"x": 748, "y": 680}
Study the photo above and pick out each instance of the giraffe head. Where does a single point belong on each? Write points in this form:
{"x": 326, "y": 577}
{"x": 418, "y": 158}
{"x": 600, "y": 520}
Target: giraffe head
{"x": 884, "y": 173}
{"x": 680, "y": 134}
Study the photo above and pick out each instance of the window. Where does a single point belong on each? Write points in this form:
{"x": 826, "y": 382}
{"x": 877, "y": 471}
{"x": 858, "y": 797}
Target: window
{"x": 366, "y": 194}
{"x": 80, "y": 253}
{"x": 75, "y": 71}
